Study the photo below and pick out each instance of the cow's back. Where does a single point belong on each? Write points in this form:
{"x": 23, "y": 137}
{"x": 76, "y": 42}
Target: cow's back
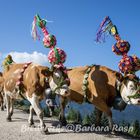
{"x": 33, "y": 78}
{"x": 11, "y": 76}
{"x": 101, "y": 84}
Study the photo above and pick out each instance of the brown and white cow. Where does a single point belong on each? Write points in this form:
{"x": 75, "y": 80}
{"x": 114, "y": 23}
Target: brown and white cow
{"x": 102, "y": 89}
{"x": 35, "y": 81}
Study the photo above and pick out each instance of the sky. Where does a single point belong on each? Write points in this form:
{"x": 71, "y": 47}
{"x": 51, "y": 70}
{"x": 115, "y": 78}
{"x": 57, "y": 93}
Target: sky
{"x": 75, "y": 23}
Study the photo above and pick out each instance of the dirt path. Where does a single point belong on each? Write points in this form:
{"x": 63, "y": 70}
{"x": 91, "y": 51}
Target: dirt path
{"x": 18, "y": 129}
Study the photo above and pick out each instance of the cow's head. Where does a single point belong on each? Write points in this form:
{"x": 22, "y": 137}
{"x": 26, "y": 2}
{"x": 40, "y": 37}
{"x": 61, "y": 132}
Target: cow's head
{"x": 130, "y": 89}
{"x": 60, "y": 81}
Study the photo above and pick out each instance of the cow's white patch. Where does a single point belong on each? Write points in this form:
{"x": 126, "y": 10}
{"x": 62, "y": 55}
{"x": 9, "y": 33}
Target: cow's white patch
{"x": 53, "y": 85}
{"x": 33, "y": 99}
{"x": 129, "y": 90}
{"x": 63, "y": 91}
{"x": 35, "y": 104}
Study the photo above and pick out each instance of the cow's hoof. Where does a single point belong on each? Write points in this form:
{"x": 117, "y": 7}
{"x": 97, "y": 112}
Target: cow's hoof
{"x": 63, "y": 123}
{"x": 2, "y": 109}
{"x": 8, "y": 119}
{"x": 45, "y": 131}
{"x": 112, "y": 132}
{"x": 97, "y": 124}
{"x": 31, "y": 125}
{"x": 62, "y": 120}
{"x": 11, "y": 113}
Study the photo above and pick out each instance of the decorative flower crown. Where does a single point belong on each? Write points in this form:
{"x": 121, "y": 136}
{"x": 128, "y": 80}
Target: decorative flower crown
{"x": 128, "y": 64}
{"x": 56, "y": 56}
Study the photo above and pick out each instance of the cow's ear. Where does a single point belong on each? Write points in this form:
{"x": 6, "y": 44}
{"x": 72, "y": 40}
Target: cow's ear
{"x": 46, "y": 72}
{"x": 119, "y": 76}
{"x": 130, "y": 76}
{"x": 125, "y": 79}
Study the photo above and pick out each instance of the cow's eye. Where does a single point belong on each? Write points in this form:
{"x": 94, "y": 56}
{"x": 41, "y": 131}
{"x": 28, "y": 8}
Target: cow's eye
{"x": 57, "y": 77}
{"x": 132, "y": 87}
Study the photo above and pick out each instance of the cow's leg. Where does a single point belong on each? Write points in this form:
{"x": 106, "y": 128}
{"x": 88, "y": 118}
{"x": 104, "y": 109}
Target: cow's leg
{"x": 7, "y": 98}
{"x": 2, "y": 107}
{"x": 1, "y": 102}
{"x": 11, "y": 106}
{"x": 50, "y": 111}
{"x": 4, "y": 101}
{"x": 4, "y": 104}
{"x": 62, "y": 118}
{"x": 98, "y": 116}
{"x": 102, "y": 106}
{"x": 30, "y": 120}
{"x": 35, "y": 104}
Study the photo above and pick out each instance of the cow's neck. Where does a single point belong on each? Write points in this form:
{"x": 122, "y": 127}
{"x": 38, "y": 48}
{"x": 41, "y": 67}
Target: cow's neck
{"x": 19, "y": 82}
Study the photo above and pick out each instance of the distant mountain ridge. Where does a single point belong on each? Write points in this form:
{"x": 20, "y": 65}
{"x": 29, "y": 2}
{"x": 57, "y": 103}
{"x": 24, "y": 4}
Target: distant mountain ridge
{"x": 131, "y": 112}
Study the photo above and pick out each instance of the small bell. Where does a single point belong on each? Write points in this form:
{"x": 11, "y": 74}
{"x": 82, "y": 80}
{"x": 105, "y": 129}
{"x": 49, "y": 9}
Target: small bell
{"x": 48, "y": 92}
